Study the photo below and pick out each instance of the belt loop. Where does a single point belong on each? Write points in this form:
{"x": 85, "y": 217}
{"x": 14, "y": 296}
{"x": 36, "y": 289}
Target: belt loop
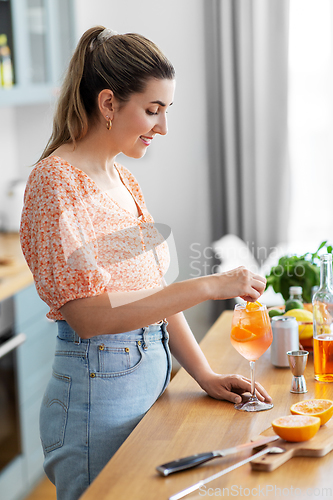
{"x": 164, "y": 329}
{"x": 77, "y": 339}
{"x": 145, "y": 337}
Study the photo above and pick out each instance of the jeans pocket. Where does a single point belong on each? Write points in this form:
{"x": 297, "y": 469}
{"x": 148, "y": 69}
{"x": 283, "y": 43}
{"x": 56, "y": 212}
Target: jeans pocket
{"x": 119, "y": 360}
{"x": 54, "y": 410}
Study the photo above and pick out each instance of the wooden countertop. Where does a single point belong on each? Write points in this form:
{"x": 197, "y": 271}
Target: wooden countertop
{"x": 14, "y": 272}
{"x": 185, "y": 421}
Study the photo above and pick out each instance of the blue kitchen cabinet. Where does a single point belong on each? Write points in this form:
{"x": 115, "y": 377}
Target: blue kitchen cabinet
{"x": 35, "y": 359}
{"x": 34, "y": 365}
{"x": 40, "y": 39}
{"x": 32, "y": 449}
{"x": 12, "y": 480}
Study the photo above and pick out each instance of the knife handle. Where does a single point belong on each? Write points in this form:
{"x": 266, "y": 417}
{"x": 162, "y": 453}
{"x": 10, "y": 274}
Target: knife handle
{"x": 185, "y": 463}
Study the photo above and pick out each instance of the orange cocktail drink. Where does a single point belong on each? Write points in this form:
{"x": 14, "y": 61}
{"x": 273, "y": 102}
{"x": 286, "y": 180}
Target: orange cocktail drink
{"x": 251, "y": 333}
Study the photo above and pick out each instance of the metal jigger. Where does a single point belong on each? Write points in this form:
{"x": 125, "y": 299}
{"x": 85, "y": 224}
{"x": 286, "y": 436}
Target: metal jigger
{"x": 297, "y": 363}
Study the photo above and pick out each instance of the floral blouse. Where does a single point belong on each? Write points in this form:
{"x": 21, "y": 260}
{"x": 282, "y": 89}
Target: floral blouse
{"x": 78, "y": 242}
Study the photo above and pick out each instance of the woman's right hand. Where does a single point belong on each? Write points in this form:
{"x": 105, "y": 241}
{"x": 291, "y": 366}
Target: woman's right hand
{"x": 239, "y": 282}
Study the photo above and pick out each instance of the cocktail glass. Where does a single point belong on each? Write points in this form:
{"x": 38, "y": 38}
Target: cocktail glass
{"x": 251, "y": 335}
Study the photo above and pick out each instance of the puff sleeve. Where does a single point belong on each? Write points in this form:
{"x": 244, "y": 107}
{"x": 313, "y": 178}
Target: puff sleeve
{"x": 58, "y": 239}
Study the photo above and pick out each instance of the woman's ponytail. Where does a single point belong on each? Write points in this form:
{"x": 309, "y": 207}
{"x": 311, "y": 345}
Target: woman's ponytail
{"x": 70, "y": 121}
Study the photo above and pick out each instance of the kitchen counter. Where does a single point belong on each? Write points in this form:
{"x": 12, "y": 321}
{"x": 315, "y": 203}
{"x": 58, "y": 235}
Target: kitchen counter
{"x": 185, "y": 421}
{"x": 14, "y": 272}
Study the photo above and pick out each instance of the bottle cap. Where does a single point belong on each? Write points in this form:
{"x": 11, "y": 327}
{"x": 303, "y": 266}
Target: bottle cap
{"x": 295, "y": 290}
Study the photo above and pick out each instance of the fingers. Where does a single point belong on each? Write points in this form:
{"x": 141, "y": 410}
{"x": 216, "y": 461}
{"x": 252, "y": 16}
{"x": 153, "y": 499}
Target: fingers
{"x": 262, "y": 393}
{"x": 253, "y": 284}
{"x": 248, "y": 298}
{"x": 231, "y": 387}
{"x": 258, "y": 285}
{"x": 245, "y": 386}
{"x": 239, "y": 282}
{"x": 231, "y": 396}
{"x": 260, "y": 279}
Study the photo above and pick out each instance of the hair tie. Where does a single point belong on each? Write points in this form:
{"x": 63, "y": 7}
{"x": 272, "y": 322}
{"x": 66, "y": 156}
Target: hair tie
{"x": 101, "y": 38}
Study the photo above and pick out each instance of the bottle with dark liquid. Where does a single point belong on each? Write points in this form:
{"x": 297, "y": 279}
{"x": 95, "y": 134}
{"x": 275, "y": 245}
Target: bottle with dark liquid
{"x": 323, "y": 323}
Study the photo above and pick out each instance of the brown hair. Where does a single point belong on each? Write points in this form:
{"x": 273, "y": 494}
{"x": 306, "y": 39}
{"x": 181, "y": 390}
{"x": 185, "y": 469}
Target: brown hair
{"x": 122, "y": 63}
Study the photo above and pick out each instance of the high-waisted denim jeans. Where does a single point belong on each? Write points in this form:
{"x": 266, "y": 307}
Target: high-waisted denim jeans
{"x": 100, "y": 389}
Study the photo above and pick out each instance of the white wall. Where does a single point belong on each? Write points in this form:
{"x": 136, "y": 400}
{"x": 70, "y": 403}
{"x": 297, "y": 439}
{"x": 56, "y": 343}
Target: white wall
{"x": 8, "y": 155}
{"x": 174, "y": 172}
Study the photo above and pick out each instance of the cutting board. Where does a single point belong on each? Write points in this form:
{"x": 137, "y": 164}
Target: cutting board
{"x": 318, "y": 446}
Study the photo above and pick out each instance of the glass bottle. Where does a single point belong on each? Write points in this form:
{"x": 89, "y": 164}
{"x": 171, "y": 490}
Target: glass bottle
{"x": 6, "y": 67}
{"x": 295, "y": 293}
{"x": 323, "y": 323}
{"x": 295, "y": 300}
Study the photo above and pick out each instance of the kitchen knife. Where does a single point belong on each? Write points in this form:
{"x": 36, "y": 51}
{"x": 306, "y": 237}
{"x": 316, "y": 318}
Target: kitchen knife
{"x": 196, "y": 486}
{"x": 200, "y": 458}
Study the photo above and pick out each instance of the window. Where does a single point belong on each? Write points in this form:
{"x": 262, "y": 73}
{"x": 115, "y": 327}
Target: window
{"x": 311, "y": 121}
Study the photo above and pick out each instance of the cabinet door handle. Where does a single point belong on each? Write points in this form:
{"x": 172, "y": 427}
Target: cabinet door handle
{"x": 12, "y": 344}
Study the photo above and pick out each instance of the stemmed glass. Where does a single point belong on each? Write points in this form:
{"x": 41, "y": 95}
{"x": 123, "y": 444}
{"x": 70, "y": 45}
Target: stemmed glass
{"x": 251, "y": 335}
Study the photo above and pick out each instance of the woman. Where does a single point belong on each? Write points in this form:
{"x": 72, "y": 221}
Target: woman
{"x": 98, "y": 261}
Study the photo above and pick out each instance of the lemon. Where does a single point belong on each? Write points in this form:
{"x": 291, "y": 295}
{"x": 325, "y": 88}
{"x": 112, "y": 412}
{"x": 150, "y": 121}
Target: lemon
{"x": 305, "y": 322}
{"x": 301, "y": 315}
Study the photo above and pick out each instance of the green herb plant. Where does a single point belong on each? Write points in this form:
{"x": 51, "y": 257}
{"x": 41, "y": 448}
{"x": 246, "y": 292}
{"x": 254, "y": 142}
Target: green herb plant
{"x": 294, "y": 270}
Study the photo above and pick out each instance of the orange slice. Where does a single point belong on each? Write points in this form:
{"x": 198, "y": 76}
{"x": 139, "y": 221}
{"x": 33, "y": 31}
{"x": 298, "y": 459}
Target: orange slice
{"x": 322, "y": 408}
{"x": 296, "y": 428}
{"x": 253, "y": 306}
{"x": 241, "y": 334}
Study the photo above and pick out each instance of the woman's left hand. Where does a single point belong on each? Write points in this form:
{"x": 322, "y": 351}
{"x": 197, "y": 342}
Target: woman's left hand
{"x": 230, "y": 387}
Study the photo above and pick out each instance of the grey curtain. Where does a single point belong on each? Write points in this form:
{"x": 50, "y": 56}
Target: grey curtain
{"x": 247, "y": 68}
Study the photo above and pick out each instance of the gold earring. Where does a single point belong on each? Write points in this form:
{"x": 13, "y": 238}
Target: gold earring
{"x": 108, "y": 123}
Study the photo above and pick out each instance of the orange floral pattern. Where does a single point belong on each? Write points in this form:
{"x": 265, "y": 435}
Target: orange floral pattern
{"x": 79, "y": 243}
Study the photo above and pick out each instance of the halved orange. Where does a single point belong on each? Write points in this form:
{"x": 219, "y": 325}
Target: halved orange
{"x": 296, "y": 428}
{"x": 322, "y": 408}
{"x": 241, "y": 334}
